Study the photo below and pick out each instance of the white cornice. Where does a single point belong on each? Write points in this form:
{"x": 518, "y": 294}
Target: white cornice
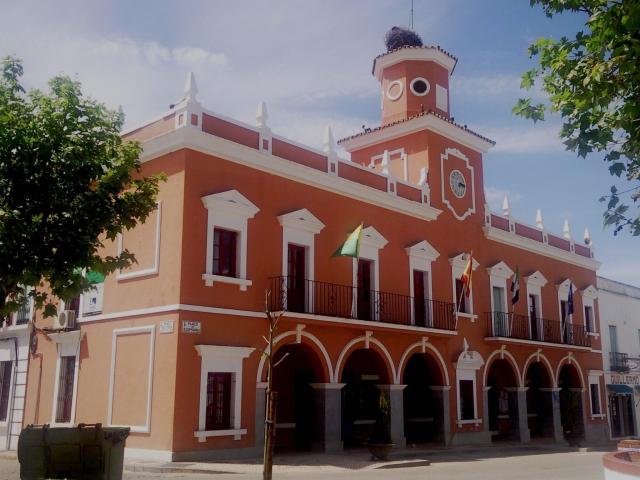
{"x": 500, "y": 269}
{"x": 227, "y": 150}
{"x": 232, "y": 201}
{"x": 373, "y": 238}
{"x": 301, "y": 219}
{"x": 417, "y": 124}
{"x": 423, "y": 250}
{"x": 427, "y": 54}
{"x": 524, "y": 243}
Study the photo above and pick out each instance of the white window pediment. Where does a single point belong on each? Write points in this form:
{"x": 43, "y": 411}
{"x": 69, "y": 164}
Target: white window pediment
{"x": 469, "y": 360}
{"x": 229, "y": 210}
{"x": 590, "y": 292}
{"x": 500, "y": 270}
{"x": 301, "y": 219}
{"x": 231, "y": 201}
{"x": 460, "y": 261}
{"x": 536, "y": 279}
{"x": 423, "y": 251}
{"x": 373, "y": 238}
{"x": 564, "y": 286}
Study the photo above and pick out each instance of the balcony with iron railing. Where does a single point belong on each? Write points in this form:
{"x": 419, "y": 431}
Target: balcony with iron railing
{"x": 521, "y": 327}
{"x": 345, "y": 301}
{"x": 619, "y": 362}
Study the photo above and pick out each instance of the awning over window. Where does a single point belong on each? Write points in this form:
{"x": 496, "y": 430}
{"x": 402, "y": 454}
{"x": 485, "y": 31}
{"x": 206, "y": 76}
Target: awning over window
{"x": 619, "y": 389}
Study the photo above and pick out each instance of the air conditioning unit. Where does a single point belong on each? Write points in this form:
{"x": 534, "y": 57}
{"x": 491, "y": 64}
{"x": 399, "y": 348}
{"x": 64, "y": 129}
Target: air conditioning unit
{"x": 66, "y": 319}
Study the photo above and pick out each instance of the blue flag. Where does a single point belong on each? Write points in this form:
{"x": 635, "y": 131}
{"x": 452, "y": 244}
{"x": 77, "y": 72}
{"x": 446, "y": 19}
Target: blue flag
{"x": 570, "y": 301}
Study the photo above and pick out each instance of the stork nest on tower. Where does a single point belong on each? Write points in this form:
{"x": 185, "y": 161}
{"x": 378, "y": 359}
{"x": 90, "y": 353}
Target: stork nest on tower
{"x": 399, "y": 37}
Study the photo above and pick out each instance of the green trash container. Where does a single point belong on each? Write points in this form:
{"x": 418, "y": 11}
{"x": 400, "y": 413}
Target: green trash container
{"x": 85, "y": 452}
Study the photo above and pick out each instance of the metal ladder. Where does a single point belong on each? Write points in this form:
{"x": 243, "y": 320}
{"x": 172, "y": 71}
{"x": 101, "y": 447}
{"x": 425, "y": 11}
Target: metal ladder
{"x": 14, "y": 425}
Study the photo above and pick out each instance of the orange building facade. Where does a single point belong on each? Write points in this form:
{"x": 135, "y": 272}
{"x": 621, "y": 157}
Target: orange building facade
{"x": 172, "y": 347}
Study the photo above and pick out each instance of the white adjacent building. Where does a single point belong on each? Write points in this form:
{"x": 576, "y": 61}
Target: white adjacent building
{"x": 619, "y": 306}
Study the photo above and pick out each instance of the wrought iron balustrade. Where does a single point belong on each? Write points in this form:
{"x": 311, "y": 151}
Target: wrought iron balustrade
{"x": 513, "y": 325}
{"x": 619, "y": 362}
{"x": 321, "y": 298}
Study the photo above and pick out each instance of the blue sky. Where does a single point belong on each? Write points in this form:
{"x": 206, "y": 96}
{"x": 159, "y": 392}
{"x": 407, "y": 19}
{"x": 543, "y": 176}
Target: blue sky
{"x": 311, "y": 62}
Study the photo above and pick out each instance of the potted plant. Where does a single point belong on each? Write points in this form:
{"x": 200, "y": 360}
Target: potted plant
{"x": 379, "y": 444}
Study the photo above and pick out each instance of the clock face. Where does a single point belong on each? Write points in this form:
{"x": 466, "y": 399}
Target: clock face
{"x": 458, "y": 183}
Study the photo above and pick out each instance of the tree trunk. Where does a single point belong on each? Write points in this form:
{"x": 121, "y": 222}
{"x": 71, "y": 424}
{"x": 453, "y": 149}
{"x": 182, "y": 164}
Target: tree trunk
{"x": 269, "y": 433}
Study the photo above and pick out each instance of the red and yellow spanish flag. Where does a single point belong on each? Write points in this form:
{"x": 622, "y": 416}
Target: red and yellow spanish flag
{"x": 467, "y": 276}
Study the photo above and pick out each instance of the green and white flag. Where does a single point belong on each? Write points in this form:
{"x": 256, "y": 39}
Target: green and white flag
{"x": 351, "y": 246}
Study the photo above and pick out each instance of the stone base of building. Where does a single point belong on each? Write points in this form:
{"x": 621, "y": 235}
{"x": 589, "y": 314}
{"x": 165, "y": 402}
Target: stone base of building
{"x": 597, "y": 432}
{"x": 471, "y": 438}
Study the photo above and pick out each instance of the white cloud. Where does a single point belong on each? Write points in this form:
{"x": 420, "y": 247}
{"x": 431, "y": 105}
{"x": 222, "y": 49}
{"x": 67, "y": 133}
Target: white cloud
{"x": 531, "y": 138}
{"x": 489, "y": 88}
{"x": 494, "y": 197}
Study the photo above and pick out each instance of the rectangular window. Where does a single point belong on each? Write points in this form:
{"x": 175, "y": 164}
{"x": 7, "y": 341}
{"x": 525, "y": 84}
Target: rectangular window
{"x": 218, "y": 401}
{"x": 595, "y": 399}
{"x": 5, "y": 387}
{"x": 467, "y": 409}
{"x": 65, "y": 389}
{"x": 613, "y": 338}
{"x": 23, "y": 315}
{"x": 588, "y": 319}
{"x": 224, "y": 252}
{"x": 461, "y": 300}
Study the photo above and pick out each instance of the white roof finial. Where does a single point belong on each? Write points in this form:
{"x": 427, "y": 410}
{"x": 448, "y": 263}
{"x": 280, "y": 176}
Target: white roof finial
{"x": 539, "y": 223}
{"x": 262, "y": 115}
{"x": 566, "y": 231}
{"x": 505, "y": 205}
{"x": 587, "y": 236}
{"x": 385, "y": 162}
{"x": 328, "y": 145}
{"x": 190, "y": 87}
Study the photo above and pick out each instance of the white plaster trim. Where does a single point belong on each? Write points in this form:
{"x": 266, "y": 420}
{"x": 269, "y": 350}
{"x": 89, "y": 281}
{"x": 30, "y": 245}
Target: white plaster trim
{"x": 150, "y": 329}
{"x": 595, "y": 380}
{"x": 417, "y": 94}
{"x": 425, "y": 54}
{"x": 364, "y": 339}
{"x": 442, "y": 98}
{"x": 445, "y": 156}
{"x": 509, "y": 238}
{"x": 236, "y": 433}
{"x": 536, "y": 279}
{"x": 562, "y": 346}
{"x": 209, "y": 280}
{"x": 153, "y": 270}
{"x": 243, "y": 155}
{"x": 571, "y": 360}
{"x": 315, "y": 340}
{"x": 398, "y": 83}
{"x": 538, "y": 357}
{"x": 229, "y": 210}
{"x": 218, "y": 359}
{"x": 423, "y": 346}
{"x": 503, "y": 353}
{"x": 65, "y": 342}
{"x": 475, "y": 421}
{"x": 145, "y": 454}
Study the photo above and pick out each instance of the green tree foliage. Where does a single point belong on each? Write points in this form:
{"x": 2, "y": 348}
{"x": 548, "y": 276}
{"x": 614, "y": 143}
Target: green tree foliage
{"x": 593, "y": 83}
{"x": 68, "y": 182}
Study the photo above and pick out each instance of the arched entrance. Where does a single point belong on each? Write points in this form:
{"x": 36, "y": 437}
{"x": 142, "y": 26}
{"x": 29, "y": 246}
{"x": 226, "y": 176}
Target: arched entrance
{"x": 571, "y": 415}
{"x": 539, "y": 401}
{"x": 296, "y": 425}
{"x": 363, "y": 372}
{"x": 502, "y": 399}
{"x": 423, "y": 400}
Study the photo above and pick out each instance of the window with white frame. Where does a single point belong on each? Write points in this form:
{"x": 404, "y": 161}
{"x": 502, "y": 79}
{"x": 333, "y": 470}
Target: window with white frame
{"x": 499, "y": 274}
{"x": 220, "y": 391}
{"x": 66, "y": 377}
{"x": 421, "y": 255}
{"x": 6, "y": 368}
{"x": 594, "y": 395}
{"x": 463, "y": 299}
{"x": 228, "y": 214}
{"x": 25, "y": 310}
{"x": 467, "y": 366}
{"x": 366, "y": 275}
{"x": 589, "y": 296}
{"x": 563, "y": 307}
{"x": 535, "y": 282}
{"x": 299, "y": 229}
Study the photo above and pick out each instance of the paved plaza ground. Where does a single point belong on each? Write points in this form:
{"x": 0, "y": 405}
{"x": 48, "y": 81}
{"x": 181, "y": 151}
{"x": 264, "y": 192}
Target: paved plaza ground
{"x": 494, "y": 463}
